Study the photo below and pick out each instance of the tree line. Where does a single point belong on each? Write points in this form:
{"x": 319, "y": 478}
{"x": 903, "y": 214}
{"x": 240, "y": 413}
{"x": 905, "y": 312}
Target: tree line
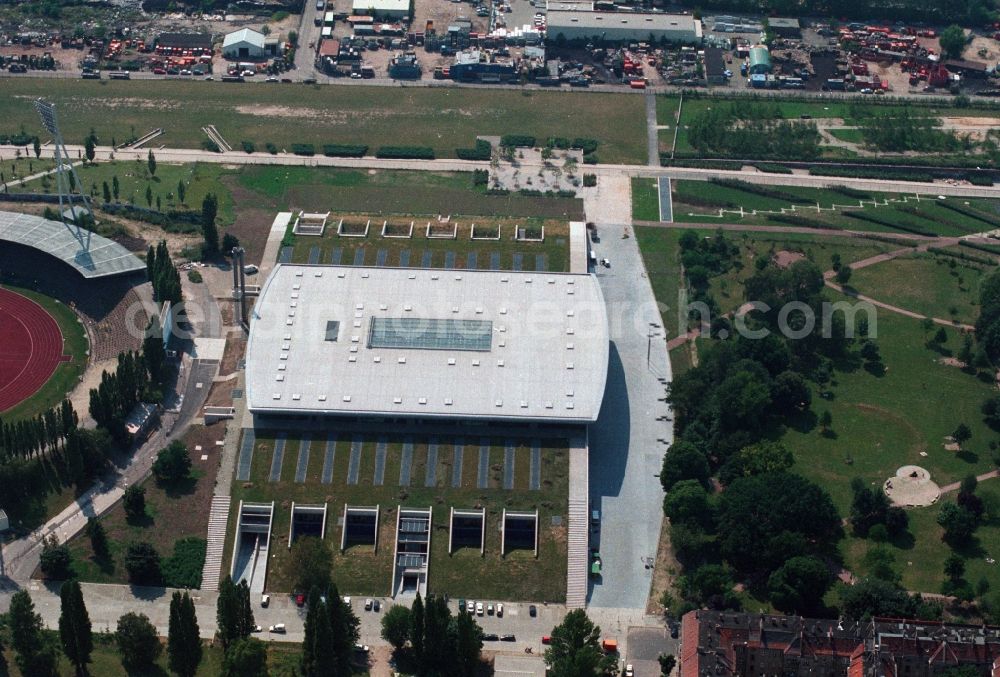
{"x": 44, "y": 432}
{"x": 752, "y": 131}
{"x": 163, "y": 274}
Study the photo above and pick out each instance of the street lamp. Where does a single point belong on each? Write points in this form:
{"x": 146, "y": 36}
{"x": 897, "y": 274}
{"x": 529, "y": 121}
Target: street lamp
{"x": 650, "y": 333}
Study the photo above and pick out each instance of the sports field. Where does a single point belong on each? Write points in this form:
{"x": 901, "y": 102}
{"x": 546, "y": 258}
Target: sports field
{"x": 42, "y": 352}
{"x": 417, "y": 471}
{"x": 442, "y": 118}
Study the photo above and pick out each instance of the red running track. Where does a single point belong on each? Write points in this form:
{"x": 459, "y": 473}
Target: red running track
{"x": 31, "y": 347}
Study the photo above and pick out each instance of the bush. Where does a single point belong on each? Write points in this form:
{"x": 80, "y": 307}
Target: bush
{"x": 229, "y": 241}
{"x": 982, "y": 260}
{"x": 590, "y": 159}
{"x": 210, "y": 146}
{"x": 560, "y": 142}
{"x": 248, "y": 146}
{"x": 142, "y": 563}
{"x": 772, "y": 168}
{"x": 480, "y": 177}
{"x": 405, "y": 153}
{"x": 482, "y": 151}
{"x": 271, "y": 148}
{"x": 303, "y": 149}
{"x": 194, "y": 276}
{"x": 589, "y": 180}
{"x": 588, "y": 146}
{"x": 172, "y": 463}
{"x": 344, "y": 150}
{"x": 977, "y": 179}
{"x": 183, "y": 568}
{"x": 517, "y": 141}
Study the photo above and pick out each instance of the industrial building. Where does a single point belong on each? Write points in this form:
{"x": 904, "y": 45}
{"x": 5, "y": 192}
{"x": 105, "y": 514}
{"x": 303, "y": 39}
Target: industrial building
{"x": 715, "y": 67}
{"x": 197, "y": 43}
{"x": 759, "y": 61}
{"x": 468, "y": 346}
{"x": 244, "y": 44}
{"x": 478, "y": 66}
{"x": 583, "y": 23}
{"x": 384, "y": 9}
{"x": 786, "y": 27}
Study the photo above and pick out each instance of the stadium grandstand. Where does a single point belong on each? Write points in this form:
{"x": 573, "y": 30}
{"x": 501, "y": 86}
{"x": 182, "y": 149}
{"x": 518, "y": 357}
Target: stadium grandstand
{"x": 100, "y": 257}
{"x": 403, "y": 343}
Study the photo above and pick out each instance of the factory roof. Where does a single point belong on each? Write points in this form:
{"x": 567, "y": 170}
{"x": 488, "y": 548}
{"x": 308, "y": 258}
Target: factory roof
{"x": 381, "y": 5}
{"x": 653, "y": 21}
{"x": 244, "y": 35}
{"x": 460, "y": 344}
{"x": 89, "y": 254}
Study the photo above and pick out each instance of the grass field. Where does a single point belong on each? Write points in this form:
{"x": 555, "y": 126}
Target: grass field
{"x": 172, "y": 512}
{"x": 700, "y": 202}
{"x": 933, "y": 285}
{"x": 443, "y": 118}
{"x": 555, "y": 248}
{"x": 18, "y": 168}
{"x": 282, "y": 659}
{"x": 645, "y": 200}
{"x": 67, "y": 374}
{"x": 850, "y": 135}
{"x": 396, "y": 192}
{"x": 359, "y": 570}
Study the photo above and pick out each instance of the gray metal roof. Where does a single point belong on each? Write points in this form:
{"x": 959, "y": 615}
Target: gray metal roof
{"x": 547, "y": 360}
{"x": 558, "y": 17}
{"x": 102, "y": 258}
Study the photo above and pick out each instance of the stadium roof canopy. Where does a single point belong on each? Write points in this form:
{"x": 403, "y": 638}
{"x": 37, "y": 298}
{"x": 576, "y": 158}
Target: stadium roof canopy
{"x": 102, "y": 258}
{"x": 416, "y": 343}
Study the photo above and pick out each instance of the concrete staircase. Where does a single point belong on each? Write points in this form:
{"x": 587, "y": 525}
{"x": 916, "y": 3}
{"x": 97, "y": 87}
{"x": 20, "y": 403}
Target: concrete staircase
{"x": 577, "y": 539}
{"x": 218, "y": 518}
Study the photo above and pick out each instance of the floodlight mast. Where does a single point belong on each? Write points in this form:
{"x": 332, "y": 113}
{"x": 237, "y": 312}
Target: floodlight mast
{"x": 47, "y": 112}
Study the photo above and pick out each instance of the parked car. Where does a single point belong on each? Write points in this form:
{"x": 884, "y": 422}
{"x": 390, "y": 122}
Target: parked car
{"x": 265, "y": 600}
{"x": 507, "y": 638}
{"x": 300, "y": 599}
{"x": 546, "y": 639}
{"x": 470, "y": 607}
{"x": 532, "y": 611}
{"x": 368, "y": 604}
{"x": 278, "y": 628}
{"x": 377, "y": 606}
{"x": 347, "y": 600}
{"x": 489, "y": 609}
{"x": 479, "y": 608}
{"x": 461, "y": 604}
{"x": 629, "y": 671}
{"x": 500, "y": 610}
{"x": 363, "y": 648}
{"x": 490, "y": 638}
{"x": 250, "y": 269}
{"x": 257, "y": 628}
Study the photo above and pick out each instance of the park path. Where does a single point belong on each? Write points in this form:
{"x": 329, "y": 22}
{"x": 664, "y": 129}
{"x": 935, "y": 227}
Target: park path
{"x": 652, "y": 133}
{"x": 954, "y": 486}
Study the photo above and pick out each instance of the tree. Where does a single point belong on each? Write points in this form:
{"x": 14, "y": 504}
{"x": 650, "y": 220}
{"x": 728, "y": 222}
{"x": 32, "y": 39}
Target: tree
{"x": 881, "y": 564}
{"x": 871, "y": 597}
{"x": 844, "y": 274}
{"x": 142, "y": 563}
{"x": 396, "y": 626}
{"x": 961, "y": 435}
{"x": 138, "y": 644}
{"x": 825, "y": 421}
{"x": 417, "y": 628}
{"x": 687, "y": 503}
{"x": 229, "y": 242}
{"x": 106, "y": 189}
{"x": 153, "y": 352}
{"x": 667, "y": 663}
{"x": 115, "y": 186}
{"x": 318, "y": 639}
{"x": 245, "y": 658}
{"x": 954, "y": 567}
{"x": 183, "y": 641}
{"x": 134, "y": 501}
{"x": 181, "y": 191}
{"x": 346, "y": 630}
{"x": 868, "y": 507}
{"x": 757, "y": 459}
{"x": 74, "y": 626}
{"x": 55, "y": 559}
{"x": 151, "y": 163}
{"x": 761, "y": 520}
{"x": 959, "y": 524}
{"x": 157, "y": 203}
{"x": 466, "y": 640}
{"x": 790, "y": 393}
{"x": 684, "y": 461}
{"x": 575, "y": 648}
{"x": 209, "y": 211}
{"x": 709, "y": 585}
{"x": 149, "y": 196}
{"x": 799, "y": 585}
{"x": 89, "y": 149}
{"x": 311, "y": 562}
{"x": 36, "y": 145}
{"x": 34, "y": 656}
{"x": 233, "y": 612}
{"x": 172, "y": 463}
{"x": 953, "y": 41}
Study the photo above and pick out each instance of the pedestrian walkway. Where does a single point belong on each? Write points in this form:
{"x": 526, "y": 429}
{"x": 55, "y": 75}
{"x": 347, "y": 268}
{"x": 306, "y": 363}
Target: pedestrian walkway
{"x": 579, "y": 488}
{"x": 303, "y": 461}
{"x": 218, "y": 518}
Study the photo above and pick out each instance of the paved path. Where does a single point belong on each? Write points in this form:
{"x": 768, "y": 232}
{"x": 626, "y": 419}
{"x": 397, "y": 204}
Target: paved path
{"x": 652, "y": 133}
{"x": 186, "y": 155}
{"x": 954, "y": 486}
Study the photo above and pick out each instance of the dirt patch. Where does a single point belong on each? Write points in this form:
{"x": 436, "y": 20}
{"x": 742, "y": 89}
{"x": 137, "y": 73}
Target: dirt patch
{"x": 252, "y": 224}
{"x": 952, "y": 362}
{"x": 785, "y": 258}
{"x": 664, "y": 572}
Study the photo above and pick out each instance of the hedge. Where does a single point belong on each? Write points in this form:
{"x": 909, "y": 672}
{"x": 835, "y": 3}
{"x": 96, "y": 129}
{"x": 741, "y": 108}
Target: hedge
{"x": 916, "y": 230}
{"x": 19, "y": 139}
{"x": 850, "y": 192}
{"x": 772, "y": 168}
{"x": 586, "y": 145}
{"x": 303, "y": 149}
{"x": 173, "y": 221}
{"x": 763, "y": 191}
{"x": 517, "y": 141}
{"x": 480, "y": 177}
{"x": 482, "y": 151}
{"x": 546, "y": 193}
{"x": 405, "y": 152}
{"x": 796, "y": 220}
{"x": 344, "y": 150}
{"x": 979, "y": 179}
{"x": 988, "y": 248}
{"x": 874, "y": 173}
{"x": 968, "y": 211}
{"x": 248, "y": 146}
{"x": 963, "y": 256}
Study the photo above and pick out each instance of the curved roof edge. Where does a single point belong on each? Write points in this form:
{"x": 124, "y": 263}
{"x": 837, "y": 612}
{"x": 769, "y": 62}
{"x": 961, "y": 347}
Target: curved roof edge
{"x": 91, "y": 255}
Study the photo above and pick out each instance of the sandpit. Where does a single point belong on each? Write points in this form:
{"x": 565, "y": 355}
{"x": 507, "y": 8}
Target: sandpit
{"x": 911, "y": 487}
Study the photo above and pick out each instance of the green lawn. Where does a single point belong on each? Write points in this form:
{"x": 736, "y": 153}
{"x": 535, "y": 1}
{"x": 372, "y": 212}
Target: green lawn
{"x": 12, "y": 169}
{"x": 67, "y": 374}
{"x": 555, "y": 248}
{"x": 443, "y": 118}
{"x": 361, "y": 571}
{"x": 645, "y": 200}
{"x": 282, "y": 659}
{"x": 661, "y": 256}
{"x": 396, "y": 192}
{"x": 884, "y": 422}
{"x": 929, "y": 284}
{"x": 134, "y": 178}
{"x": 850, "y": 135}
